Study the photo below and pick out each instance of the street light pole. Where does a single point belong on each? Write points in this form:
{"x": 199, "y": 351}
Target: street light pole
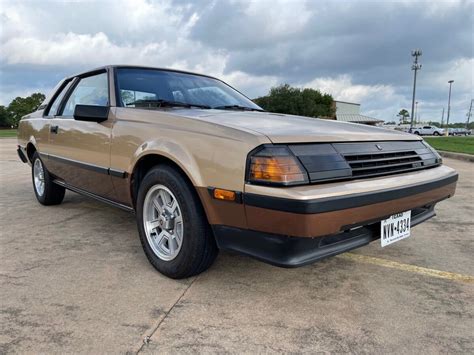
{"x": 414, "y": 53}
{"x": 442, "y": 119}
{"x": 449, "y": 107}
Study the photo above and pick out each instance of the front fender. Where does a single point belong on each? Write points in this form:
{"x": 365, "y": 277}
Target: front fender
{"x": 173, "y": 151}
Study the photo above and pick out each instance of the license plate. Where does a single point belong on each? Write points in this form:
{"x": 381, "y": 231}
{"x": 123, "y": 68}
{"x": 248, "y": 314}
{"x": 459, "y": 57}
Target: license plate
{"x": 395, "y": 228}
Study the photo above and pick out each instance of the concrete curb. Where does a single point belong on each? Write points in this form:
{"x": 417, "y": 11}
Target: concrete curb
{"x": 458, "y": 156}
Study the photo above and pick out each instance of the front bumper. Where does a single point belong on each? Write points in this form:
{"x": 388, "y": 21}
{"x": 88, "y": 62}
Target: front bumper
{"x": 293, "y": 232}
{"x": 289, "y": 252}
{"x": 325, "y": 210}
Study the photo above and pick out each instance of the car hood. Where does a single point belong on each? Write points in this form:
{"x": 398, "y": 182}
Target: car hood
{"x": 280, "y": 128}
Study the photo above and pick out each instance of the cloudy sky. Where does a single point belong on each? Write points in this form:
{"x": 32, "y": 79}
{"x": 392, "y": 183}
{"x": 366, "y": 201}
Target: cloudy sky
{"x": 357, "y": 51}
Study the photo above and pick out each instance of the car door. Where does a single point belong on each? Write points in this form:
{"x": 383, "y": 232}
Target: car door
{"x": 79, "y": 151}
{"x": 49, "y": 113}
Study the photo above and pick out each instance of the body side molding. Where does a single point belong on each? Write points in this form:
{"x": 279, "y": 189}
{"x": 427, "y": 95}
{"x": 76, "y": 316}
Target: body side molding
{"x": 98, "y": 169}
{"x": 94, "y": 196}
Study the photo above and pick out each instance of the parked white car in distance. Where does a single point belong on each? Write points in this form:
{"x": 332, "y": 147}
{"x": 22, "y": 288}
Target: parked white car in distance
{"x": 459, "y": 132}
{"x": 428, "y": 131}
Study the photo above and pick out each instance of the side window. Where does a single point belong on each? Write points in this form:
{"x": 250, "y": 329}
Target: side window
{"x": 92, "y": 90}
{"x": 427, "y": 127}
{"x": 53, "y": 109}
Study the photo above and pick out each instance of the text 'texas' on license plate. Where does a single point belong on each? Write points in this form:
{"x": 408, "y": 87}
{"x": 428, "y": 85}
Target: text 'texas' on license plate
{"x": 395, "y": 228}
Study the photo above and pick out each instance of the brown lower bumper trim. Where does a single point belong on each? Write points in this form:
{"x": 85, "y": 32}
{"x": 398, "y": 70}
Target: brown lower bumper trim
{"x": 321, "y": 205}
{"x": 320, "y": 224}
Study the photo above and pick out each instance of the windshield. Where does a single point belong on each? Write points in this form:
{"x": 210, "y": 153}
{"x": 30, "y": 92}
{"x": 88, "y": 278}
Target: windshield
{"x": 140, "y": 87}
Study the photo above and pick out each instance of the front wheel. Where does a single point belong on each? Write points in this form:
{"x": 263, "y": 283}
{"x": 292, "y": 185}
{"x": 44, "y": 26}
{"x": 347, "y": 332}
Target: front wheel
{"x": 172, "y": 225}
{"x": 46, "y": 191}
{"x": 436, "y": 133}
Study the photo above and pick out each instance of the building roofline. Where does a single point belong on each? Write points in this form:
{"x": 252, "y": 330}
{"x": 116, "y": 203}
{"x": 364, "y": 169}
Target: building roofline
{"x": 347, "y": 102}
{"x": 360, "y": 118}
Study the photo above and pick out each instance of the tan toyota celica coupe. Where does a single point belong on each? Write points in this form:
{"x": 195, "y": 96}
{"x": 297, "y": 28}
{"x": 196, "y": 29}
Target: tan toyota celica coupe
{"x": 204, "y": 168}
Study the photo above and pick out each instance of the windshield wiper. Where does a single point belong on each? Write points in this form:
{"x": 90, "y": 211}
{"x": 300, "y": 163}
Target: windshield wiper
{"x": 237, "y": 107}
{"x": 165, "y": 103}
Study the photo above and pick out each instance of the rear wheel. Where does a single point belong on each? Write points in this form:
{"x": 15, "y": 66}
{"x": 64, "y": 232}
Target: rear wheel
{"x": 47, "y": 193}
{"x": 173, "y": 228}
{"x": 417, "y": 133}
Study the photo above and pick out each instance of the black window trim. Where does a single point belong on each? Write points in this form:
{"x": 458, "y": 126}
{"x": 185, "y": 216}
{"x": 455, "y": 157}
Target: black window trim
{"x": 75, "y": 81}
{"x": 46, "y": 113}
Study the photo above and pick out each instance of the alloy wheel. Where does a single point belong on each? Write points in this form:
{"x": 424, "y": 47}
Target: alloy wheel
{"x": 163, "y": 222}
{"x": 38, "y": 175}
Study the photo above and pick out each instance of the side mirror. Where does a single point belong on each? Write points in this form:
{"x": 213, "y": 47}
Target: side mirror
{"x": 91, "y": 113}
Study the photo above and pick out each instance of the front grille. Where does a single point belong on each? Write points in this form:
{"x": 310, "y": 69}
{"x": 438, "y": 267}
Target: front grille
{"x": 345, "y": 161}
{"x": 363, "y": 165}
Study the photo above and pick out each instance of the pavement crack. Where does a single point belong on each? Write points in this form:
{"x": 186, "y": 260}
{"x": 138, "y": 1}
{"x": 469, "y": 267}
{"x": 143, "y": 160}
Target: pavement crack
{"x": 147, "y": 337}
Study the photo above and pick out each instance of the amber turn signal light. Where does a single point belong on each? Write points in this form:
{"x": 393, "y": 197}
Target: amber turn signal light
{"x": 277, "y": 166}
{"x": 226, "y": 195}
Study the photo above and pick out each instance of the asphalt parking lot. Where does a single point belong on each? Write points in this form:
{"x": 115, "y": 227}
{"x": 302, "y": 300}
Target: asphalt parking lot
{"x": 73, "y": 278}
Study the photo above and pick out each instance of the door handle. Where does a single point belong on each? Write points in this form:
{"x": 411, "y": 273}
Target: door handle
{"x": 54, "y": 129}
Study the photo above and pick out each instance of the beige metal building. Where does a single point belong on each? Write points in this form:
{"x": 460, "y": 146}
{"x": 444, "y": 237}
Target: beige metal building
{"x": 350, "y": 112}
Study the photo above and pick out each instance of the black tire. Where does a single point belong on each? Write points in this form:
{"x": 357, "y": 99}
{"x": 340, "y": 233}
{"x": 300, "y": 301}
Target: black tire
{"x": 436, "y": 133}
{"x": 417, "y": 133}
{"x": 198, "y": 250}
{"x": 53, "y": 194}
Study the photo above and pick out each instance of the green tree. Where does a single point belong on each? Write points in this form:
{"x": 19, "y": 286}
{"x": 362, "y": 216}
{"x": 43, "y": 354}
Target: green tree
{"x": 22, "y": 106}
{"x": 5, "y": 117}
{"x": 403, "y": 114}
{"x": 296, "y": 101}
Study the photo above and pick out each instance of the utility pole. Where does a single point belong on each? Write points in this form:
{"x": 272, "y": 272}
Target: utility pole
{"x": 442, "y": 119}
{"x": 416, "y": 112}
{"x": 469, "y": 115}
{"x": 414, "y": 53}
{"x": 449, "y": 106}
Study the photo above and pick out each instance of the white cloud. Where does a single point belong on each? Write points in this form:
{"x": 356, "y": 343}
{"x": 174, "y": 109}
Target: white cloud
{"x": 380, "y": 101}
{"x": 252, "y": 45}
{"x": 460, "y": 70}
{"x": 342, "y": 88}
{"x": 90, "y": 50}
{"x": 251, "y": 86}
